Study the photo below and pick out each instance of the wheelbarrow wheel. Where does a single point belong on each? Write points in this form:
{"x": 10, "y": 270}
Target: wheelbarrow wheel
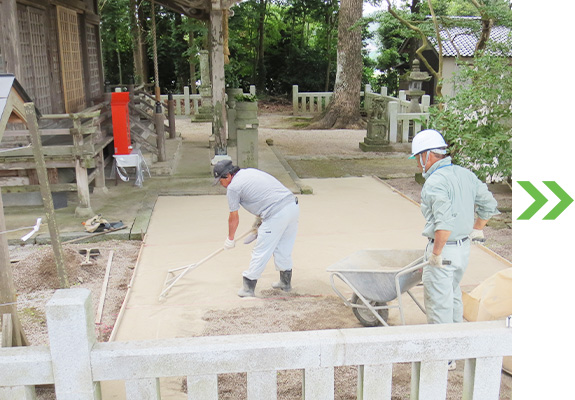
{"x": 365, "y": 316}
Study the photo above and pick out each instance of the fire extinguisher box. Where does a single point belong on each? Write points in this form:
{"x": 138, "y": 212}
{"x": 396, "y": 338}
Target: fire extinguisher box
{"x": 121, "y": 122}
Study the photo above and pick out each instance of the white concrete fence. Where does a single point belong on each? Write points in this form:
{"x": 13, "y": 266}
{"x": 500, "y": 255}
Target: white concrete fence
{"x": 401, "y": 122}
{"x": 76, "y": 364}
{"x": 186, "y": 104}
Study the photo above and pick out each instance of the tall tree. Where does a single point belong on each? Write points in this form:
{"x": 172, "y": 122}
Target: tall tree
{"x": 137, "y": 42}
{"x": 261, "y": 68}
{"x": 343, "y": 110}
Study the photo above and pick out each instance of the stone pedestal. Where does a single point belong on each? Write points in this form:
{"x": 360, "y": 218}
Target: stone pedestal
{"x": 247, "y": 148}
{"x": 247, "y": 123}
{"x": 206, "y": 109}
{"x": 377, "y": 138}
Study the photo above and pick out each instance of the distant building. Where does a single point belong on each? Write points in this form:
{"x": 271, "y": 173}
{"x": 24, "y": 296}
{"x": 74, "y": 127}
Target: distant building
{"x": 458, "y": 45}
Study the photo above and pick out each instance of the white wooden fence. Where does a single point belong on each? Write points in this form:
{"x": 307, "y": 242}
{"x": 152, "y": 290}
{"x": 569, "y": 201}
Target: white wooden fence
{"x": 76, "y": 364}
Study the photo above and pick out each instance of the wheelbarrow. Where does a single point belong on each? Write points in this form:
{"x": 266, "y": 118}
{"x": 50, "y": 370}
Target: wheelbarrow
{"x": 376, "y": 277}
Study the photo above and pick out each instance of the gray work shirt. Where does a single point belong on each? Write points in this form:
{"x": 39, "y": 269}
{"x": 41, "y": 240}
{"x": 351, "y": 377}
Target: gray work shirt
{"x": 258, "y": 192}
{"x": 450, "y": 198}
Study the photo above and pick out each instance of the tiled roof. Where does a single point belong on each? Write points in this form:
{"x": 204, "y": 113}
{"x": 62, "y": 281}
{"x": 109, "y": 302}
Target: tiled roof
{"x": 465, "y": 39}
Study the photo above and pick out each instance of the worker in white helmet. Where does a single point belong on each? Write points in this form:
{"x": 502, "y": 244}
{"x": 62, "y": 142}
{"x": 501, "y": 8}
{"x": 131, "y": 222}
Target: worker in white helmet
{"x": 277, "y": 213}
{"x": 456, "y": 206}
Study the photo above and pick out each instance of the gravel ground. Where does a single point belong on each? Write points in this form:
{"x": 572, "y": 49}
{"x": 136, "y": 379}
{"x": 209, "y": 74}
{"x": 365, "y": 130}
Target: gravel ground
{"x": 336, "y": 153}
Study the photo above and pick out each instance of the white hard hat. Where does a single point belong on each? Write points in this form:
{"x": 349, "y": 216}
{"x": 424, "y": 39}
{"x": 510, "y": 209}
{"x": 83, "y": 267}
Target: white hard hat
{"x": 425, "y": 140}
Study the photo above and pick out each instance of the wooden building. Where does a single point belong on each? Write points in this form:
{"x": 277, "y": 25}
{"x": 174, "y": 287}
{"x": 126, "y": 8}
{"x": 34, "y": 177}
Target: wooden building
{"x": 53, "y": 48}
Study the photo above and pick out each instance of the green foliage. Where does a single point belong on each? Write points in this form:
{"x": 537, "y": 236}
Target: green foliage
{"x": 476, "y": 122}
{"x": 248, "y": 98}
{"x": 116, "y": 41}
{"x": 172, "y": 36}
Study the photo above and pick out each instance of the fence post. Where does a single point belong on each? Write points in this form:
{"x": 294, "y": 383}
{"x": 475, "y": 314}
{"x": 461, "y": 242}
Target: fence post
{"x": 295, "y": 99}
{"x": 171, "y": 116}
{"x": 402, "y": 95}
{"x": 367, "y": 98}
{"x": 187, "y": 100}
{"x": 72, "y": 335}
{"x": 425, "y": 102}
{"x": 393, "y": 109}
{"x": 160, "y": 133}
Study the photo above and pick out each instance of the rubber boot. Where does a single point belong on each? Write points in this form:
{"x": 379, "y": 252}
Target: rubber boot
{"x": 285, "y": 281}
{"x": 248, "y": 289}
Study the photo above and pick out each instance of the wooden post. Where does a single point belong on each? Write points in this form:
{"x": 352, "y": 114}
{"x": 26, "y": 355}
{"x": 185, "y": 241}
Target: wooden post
{"x": 32, "y": 123}
{"x": 7, "y": 290}
{"x": 160, "y": 134}
{"x": 11, "y": 52}
{"x": 83, "y": 210}
{"x": 172, "y": 115}
{"x": 100, "y": 178}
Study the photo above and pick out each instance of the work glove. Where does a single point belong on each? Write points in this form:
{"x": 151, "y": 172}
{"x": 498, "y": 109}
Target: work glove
{"x": 253, "y": 235}
{"x": 477, "y": 236}
{"x": 229, "y": 244}
{"x": 436, "y": 260}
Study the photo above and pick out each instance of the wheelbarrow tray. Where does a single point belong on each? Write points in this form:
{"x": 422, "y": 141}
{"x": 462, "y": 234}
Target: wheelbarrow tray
{"x": 373, "y": 273}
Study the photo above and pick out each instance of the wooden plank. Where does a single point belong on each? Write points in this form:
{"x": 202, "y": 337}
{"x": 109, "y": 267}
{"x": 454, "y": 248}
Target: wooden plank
{"x": 43, "y": 132}
{"x": 32, "y": 123}
{"x": 7, "y": 330}
{"x": 104, "y": 288}
{"x": 14, "y": 181}
{"x": 7, "y": 164}
{"x": 60, "y": 187}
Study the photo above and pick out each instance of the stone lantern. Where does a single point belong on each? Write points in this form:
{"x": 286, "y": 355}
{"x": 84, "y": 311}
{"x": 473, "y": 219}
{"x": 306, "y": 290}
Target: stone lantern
{"x": 416, "y": 79}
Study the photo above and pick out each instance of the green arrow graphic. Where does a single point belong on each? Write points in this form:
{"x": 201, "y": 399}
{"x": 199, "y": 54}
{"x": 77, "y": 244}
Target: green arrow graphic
{"x": 563, "y": 204}
{"x": 540, "y": 200}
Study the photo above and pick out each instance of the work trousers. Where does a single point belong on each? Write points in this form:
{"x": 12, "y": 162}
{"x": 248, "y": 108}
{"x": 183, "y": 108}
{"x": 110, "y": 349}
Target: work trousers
{"x": 442, "y": 293}
{"x": 276, "y": 236}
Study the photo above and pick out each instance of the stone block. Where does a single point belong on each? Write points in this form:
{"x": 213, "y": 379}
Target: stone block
{"x": 247, "y": 148}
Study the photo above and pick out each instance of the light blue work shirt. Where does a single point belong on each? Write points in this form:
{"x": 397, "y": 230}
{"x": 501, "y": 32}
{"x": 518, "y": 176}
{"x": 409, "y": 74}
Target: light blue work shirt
{"x": 450, "y": 198}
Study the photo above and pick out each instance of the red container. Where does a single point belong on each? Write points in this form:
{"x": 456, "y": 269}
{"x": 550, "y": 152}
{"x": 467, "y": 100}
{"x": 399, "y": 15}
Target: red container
{"x": 121, "y": 122}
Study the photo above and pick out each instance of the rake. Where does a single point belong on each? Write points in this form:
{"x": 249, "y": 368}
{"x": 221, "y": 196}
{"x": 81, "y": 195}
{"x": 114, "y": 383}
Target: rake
{"x": 173, "y": 276}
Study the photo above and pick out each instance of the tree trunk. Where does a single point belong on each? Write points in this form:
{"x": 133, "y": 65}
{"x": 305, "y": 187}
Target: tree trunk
{"x": 136, "y": 43}
{"x": 329, "y": 35}
{"x": 261, "y": 69}
{"x": 193, "y": 87}
{"x": 143, "y": 26}
{"x": 343, "y": 110}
